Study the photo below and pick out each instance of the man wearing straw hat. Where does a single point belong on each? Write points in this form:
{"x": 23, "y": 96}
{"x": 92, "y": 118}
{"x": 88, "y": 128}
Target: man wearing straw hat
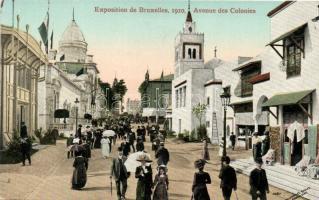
{"x": 119, "y": 171}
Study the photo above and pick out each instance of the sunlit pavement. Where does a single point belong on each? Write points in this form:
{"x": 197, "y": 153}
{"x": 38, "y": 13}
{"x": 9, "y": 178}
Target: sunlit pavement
{"x": 49, "y": 177}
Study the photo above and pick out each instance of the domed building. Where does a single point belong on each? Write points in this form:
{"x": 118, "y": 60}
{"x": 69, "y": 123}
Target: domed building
{"x": 72, "y": 44}
{"x": 71, "y": 75}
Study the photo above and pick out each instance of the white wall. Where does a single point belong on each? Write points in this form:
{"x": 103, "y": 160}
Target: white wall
{"x": 297, "y": 14}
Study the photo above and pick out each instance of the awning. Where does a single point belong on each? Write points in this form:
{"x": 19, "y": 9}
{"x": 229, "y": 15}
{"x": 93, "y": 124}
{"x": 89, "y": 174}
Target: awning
{"x": 241, "y": 102}
{"x": 285, "y": 35}
{"x": 250, "y": 64}
{"x": 287, "y": 99}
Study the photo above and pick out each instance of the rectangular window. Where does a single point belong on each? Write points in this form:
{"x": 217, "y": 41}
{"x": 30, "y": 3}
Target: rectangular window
{"x": 208, "y": 101}
{"x": 246, "y": 75}
{"x": 293, "y": 57}
{"x": 207, "y": 124}
{"x": 176, "y": 98}
{"x": 184, "y": 89}
{"x": 181, "y": 97}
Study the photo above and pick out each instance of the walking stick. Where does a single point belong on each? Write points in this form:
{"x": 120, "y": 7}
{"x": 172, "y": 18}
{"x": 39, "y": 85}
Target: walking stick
{"x": 236, "y": 195}
{"x": 111, "y": 186}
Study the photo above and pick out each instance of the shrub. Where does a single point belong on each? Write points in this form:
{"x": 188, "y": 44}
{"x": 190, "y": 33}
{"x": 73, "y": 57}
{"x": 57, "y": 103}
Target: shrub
{"x": 201, "y": 132}
{"x": 13, "y": 154}
{"x": 170, "y": 134}
{"x": 48, "y": 137}
{"x": 180, "y": 136}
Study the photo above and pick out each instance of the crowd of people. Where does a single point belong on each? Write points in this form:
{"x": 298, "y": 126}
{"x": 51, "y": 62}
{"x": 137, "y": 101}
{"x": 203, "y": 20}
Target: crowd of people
{"x": 131, "y": 149}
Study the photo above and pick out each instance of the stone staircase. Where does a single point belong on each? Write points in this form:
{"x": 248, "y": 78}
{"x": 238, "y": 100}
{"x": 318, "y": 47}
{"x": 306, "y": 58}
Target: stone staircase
{"x": 283, "y": 177}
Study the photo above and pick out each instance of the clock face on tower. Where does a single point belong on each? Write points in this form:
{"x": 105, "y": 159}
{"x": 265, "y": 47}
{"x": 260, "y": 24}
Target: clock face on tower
{"x": 190, "y": 29}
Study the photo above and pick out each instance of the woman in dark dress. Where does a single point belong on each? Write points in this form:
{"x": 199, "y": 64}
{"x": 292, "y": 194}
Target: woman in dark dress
{"x": 145, "y": 179}
{"x": 205, "y": 150}
{"x": 79, "y": 173}
{"x": 201, "y": 178}
{"x": 161, "y": 184}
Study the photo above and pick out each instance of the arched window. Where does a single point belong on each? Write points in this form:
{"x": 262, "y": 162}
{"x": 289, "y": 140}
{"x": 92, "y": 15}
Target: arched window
{"x": 189, "y": 53}
{"x": 194, "y": 53}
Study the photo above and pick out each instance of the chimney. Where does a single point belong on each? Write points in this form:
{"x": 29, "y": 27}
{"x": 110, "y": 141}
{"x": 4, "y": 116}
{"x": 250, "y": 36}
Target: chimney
{"x": 52, "y": 54}
{"x": 89, "y": 58}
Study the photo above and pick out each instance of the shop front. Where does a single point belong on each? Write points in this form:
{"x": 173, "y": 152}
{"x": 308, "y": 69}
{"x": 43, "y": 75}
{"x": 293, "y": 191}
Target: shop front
{"x": 294, "y": 126}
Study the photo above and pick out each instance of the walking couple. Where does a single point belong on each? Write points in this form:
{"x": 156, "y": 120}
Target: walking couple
{"x": 144, "y": 175}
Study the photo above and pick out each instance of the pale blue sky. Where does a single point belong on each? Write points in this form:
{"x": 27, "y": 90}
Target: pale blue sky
{"x": 129, "y": 42}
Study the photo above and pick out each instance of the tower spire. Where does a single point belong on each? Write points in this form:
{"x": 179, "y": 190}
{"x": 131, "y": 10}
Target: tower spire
{"x": 189, "y": 15}
{"x": 73, "y": 15}
{"x": 215, "y": 52}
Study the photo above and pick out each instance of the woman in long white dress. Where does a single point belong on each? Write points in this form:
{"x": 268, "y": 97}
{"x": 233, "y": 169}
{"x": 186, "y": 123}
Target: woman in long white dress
{"x": 105, "y": 147}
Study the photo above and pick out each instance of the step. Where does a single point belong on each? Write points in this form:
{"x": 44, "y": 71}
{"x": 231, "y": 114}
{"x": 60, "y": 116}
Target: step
{"x": 282, "y": 177}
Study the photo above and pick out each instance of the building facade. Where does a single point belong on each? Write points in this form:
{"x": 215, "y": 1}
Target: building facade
{"x": 191, "y": 76}
{"x": 133, "y": 106}
{"x": 288, "y": 74}
{"x": 71, "y": 74}
{"x": 156, "y": 96}
{"x": 21, "y": 59}
{"x": 276, "y": 90}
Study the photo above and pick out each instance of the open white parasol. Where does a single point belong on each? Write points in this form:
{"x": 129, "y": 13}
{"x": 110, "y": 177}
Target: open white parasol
{"x": 131, "y": 163}
{"x": 108, "y": 133}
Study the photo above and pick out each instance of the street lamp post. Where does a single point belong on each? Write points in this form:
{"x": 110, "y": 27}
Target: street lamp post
{"x": 76, "y": 114}
{"x": 225, "y": 98}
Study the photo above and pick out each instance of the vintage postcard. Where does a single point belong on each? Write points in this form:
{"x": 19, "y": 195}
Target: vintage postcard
{"x": 159, "y": 100}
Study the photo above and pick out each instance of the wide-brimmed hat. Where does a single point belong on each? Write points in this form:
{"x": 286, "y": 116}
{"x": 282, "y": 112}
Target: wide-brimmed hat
{"x": 200, "y": 163}
{"x": 143, "y": 157}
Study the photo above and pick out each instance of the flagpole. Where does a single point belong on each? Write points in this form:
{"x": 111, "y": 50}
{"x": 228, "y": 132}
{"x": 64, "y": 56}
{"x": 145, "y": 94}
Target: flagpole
{"x": 12, "y": 13}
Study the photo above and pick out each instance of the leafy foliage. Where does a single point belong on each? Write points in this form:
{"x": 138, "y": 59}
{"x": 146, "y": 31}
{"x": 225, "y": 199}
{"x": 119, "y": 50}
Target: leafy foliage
{"x": 199, "y": 110}
{"x": 13, "y": 153}
{"x": 48, "y": 137}
{"x": 142, "y": 88}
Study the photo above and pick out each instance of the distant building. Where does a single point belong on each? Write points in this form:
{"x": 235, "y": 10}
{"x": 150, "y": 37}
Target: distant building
{"x": 133, "y": 106}
{"x": 156, "y": 96}
{"x": 71, "y": 75}
{"x": 21, "y": 59}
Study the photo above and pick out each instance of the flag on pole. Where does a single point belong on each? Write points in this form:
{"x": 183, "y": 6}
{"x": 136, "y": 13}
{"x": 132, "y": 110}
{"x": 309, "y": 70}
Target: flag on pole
{"x": 2, "y": 1}
{"x": 51, "y": 40}
{"x": 43, "y": 30}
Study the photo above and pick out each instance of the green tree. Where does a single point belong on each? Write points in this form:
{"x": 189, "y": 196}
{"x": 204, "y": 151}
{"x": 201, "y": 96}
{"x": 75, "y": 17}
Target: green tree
{"x": 119, "y": 88}
{"x": 199, "y": 110}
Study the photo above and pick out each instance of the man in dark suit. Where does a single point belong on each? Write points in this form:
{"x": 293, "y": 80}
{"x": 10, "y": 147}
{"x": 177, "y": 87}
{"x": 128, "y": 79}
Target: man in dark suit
{"x": 118, "y": 170}
{"x": 132, "y": 138}
{"x": 258, "y": 182}
{"x": 162, "y": 155}
{"x": 23, "y": 130}
{"x": 125, "y": 147}
{"x": 79, "y": 132}
{"x": 228, "y": 178}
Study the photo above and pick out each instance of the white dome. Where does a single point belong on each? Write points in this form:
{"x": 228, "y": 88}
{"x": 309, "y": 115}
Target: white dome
{"x": 73, "y": 44}
{"x": 72, "y": 33}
